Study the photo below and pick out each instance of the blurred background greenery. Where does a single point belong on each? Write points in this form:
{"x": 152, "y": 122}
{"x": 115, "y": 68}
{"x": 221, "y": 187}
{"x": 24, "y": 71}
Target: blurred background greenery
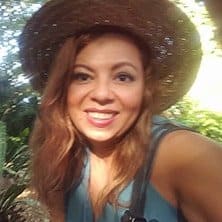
{"x": 18, "y": 105}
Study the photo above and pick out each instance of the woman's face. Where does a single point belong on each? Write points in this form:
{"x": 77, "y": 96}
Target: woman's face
{"x": 105, "y": 94}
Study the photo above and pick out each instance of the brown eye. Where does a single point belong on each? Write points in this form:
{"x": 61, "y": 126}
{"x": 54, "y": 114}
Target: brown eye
{"x": 125, "y": 77}
{"x": 81, "y": 77}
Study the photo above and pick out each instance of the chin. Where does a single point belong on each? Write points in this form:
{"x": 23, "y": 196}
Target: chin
{"x": 101, "y": 140}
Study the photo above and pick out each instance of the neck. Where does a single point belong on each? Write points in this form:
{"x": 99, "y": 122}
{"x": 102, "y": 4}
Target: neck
{"x": 101, "y": 154}
{"x": 102, "y": 150}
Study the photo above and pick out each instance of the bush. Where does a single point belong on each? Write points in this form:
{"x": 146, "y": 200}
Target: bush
{"x": 206, "y": 122}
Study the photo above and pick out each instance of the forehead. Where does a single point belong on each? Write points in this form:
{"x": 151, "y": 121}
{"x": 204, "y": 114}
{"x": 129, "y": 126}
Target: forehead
{"x": 110, "y": 46}
{"x": 87, "y": 38}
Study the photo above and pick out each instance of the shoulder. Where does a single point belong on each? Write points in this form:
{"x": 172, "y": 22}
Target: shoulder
{"x": 183, "y": 151}
{"x": 185, "y": 147}
{"x": 177, "y": 145}
{"x": 193, "y": 164}
{"x": 180, "y": 141}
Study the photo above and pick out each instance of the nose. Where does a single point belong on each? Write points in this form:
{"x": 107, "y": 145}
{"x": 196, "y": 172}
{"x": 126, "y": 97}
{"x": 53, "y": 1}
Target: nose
{"x": 102, "y": 92}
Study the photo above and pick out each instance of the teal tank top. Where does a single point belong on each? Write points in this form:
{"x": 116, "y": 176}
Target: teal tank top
{"x": 79, "y": 209}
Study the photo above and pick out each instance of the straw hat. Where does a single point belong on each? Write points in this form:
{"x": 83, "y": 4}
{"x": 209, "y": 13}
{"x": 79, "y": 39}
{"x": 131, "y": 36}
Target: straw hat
{"x": 169, "y": 32}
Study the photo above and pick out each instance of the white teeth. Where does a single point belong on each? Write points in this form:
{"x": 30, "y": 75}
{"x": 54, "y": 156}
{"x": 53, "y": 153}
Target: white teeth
{"x": 96, "y": 115}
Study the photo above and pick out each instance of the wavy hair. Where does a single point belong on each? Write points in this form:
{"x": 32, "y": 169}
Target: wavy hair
{"x": 58, "y": 150}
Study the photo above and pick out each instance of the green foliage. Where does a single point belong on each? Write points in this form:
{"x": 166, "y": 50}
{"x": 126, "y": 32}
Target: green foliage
{"x": 206, "y": 122}
{"x": 2, "y": 146}
{"x": 9, "y": 209}
{"x": 14, "y": 177}
{"x": 18, "y": 105}
{"x": 17, "y": 158}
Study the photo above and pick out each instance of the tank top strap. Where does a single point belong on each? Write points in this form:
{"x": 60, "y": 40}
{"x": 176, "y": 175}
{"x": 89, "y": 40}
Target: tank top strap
{"x": 160, "y": 127}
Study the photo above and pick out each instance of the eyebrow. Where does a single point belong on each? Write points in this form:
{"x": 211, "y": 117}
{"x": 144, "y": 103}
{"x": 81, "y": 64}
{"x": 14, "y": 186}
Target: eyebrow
{"x": 83, "y": 66}
{"x": 116, "y": 66}
{"x": 120, "y": 64}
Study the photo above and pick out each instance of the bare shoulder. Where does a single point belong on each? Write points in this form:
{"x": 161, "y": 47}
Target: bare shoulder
{"x": 186, "y": 153}
{"x": 182, "y": 147}
{"x": 193, "y": 166}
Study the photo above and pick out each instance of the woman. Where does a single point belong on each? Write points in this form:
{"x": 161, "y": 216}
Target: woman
{"x": 105, "y": 68}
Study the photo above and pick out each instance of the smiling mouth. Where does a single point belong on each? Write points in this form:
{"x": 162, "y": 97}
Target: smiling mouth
{"x": 100, "y": 116}
{"x": 101, "y": 119}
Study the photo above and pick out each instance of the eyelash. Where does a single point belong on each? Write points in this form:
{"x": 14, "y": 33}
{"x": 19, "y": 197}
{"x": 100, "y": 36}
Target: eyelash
{"x": 127, "y": 77}
{"x": 81, "y": 77}
{"x": 120, "y": 77}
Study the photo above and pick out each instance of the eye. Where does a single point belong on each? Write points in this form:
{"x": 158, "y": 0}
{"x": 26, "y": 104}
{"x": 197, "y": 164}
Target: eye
{"x": 81, "y": 77}
{"x": 125, "y": 77}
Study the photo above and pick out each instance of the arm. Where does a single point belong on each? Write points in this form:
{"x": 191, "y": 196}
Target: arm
{"x": 197, "y": 177}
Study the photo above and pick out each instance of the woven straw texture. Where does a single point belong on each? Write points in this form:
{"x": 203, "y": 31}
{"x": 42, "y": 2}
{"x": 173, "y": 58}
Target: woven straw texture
{"x": 173, "y": 38}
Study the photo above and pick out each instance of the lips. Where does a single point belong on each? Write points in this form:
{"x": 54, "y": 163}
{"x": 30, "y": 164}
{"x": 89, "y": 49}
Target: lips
{"x": 101, "y": 118}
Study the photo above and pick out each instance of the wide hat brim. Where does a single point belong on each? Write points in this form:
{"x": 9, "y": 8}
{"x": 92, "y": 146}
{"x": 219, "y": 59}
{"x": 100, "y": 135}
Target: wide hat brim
{"x": 170, "y": 33}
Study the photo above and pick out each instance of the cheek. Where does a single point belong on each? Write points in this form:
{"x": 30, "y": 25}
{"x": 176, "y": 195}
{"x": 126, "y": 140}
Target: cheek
{"x": 132, "y": 101}
{"x": 74, "y": 96}
{"x": 73, "y": 107}
{"x": 72, "y": 101}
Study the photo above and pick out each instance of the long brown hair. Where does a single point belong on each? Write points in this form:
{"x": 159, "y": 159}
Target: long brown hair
{"x": 58, "y": 151}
